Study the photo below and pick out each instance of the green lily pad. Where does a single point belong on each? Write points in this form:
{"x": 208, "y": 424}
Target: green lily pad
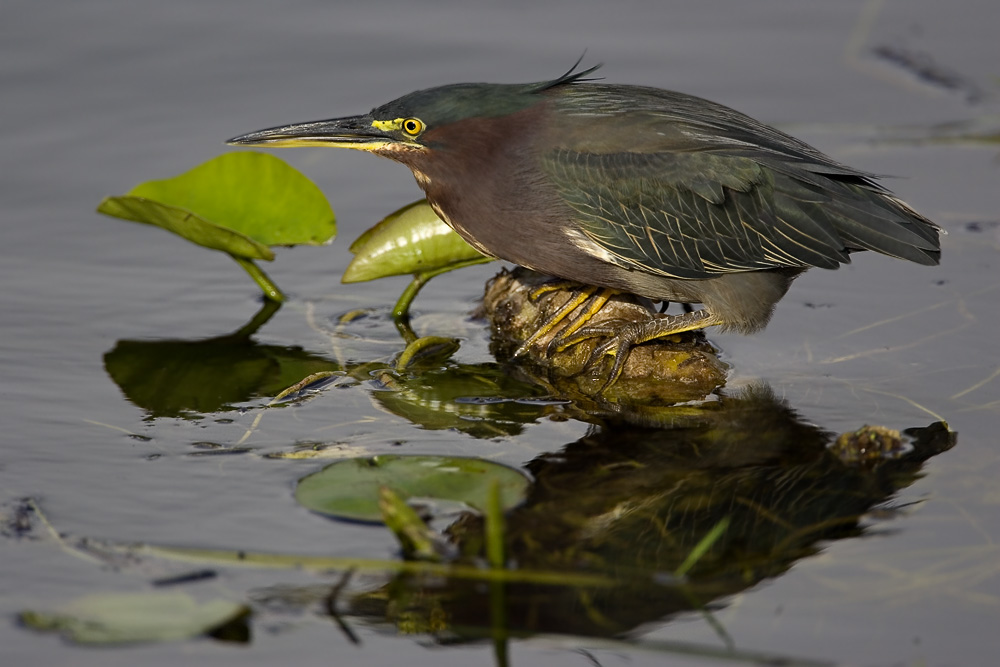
{"x": 239, "y": 203}
{"x": 120, "y": 618}
{"x": 413, "y": 240}
{"x": 349, "y": 489}
{"x": 184, "y": 223}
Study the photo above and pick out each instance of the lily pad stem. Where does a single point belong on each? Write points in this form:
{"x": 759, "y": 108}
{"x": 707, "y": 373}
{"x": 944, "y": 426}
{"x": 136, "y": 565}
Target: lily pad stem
{"x": 270, "y": 290}
{"x": 402, "y": 309}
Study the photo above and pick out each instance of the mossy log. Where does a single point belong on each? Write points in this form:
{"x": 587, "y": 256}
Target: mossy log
{"x": 680, "y": 368}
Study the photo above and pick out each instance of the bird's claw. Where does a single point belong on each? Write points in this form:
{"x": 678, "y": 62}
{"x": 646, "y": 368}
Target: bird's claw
{"x": 617, "y": 346}
{"x": 620, "y": 335}
{"x": 606, "y": 329}
{"x": 521, "y": 350}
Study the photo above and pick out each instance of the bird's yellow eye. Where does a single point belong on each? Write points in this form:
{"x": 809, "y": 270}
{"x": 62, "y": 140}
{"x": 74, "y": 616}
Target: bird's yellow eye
{"x": 413, "y": 126}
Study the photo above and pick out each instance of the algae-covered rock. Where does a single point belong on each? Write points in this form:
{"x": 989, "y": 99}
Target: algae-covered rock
{"x": 680, "y": 368}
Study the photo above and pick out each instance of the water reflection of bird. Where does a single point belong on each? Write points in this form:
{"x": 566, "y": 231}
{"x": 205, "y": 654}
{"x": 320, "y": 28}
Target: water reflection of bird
{"x": 653, "y": 495}
{"x": 630, "y": 188}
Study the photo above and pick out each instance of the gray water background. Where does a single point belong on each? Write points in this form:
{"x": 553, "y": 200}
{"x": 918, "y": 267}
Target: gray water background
{"x": 98, "y": 96}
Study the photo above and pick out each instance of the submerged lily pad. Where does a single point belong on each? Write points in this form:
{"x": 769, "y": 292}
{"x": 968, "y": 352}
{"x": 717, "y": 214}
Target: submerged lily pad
{"x": 239, "y": 203}
{"x": 185, "y": 378}
{"x": 120, "y": 618}
{"x": 350, "y": 489}
{"x": 413, "y": 240}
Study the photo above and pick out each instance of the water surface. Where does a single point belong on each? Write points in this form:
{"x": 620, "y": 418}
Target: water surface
{"x": 101, "y": 95}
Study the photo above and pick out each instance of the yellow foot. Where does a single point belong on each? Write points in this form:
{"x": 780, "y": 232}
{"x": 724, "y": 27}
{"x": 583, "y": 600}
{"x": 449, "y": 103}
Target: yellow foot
{"x": 555, "y": 286}
{"x": 622, "y": 337}
{"x": 591, "y": 298}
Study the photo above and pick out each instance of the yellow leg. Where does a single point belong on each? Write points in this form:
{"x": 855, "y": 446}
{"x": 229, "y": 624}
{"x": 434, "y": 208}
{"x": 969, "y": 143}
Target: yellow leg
{"x": 621, "y": 338}
{"x": 554, "y": 286}
{"x": 548, "y": 325}
{"x": 591, "y": 307}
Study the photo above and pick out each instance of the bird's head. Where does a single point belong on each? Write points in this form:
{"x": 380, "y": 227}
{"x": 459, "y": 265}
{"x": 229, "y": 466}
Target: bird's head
{"x": 414, "y": 124}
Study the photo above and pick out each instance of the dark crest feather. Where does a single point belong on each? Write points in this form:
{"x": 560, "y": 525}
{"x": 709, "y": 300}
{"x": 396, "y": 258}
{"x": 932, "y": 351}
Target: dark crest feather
{"x": 571, "y": 76}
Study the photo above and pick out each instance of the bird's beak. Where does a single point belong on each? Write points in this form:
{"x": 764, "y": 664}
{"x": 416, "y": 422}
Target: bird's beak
{"x": 353, "y": 132}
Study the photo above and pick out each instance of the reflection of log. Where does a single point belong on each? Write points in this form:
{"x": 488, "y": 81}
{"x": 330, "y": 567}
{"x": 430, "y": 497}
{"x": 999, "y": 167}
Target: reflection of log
{"x": 681, "y": 368}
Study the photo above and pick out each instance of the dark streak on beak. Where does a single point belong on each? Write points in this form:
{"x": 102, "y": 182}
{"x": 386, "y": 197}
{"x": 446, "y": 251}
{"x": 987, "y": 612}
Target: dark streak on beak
{"x": 350, "y": 132}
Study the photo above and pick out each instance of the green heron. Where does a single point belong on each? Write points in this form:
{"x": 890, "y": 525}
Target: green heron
{"x": 636, "y": 189}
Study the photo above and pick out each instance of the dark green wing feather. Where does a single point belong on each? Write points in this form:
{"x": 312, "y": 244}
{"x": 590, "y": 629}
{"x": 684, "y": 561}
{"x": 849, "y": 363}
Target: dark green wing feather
{"x": 695, "y": 215}
{"x": 676, "y": 185}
